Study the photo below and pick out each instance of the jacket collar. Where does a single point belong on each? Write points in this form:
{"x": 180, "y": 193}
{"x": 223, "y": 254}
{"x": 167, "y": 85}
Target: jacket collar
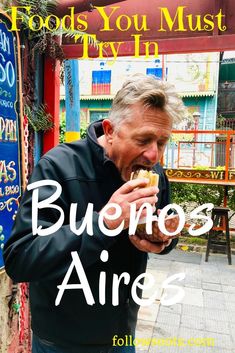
{"x": 94, "y": 131}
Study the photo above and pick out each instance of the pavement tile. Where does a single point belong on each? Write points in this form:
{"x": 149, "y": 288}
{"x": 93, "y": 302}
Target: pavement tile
{"x": 219, "y": 350}
{"x": 231, "y": 317}
{"x": 208, "y": 266}
{"x": 144, "y": 329}
{"x": 212, "y": 286}
{"x": 142, "y": 349}
{"x": 159, "y": 276}
{"x": 192, "y": 340}
{"x": 229, "y": 297}
{"x": 193, "y": 272}
{"x": 167, "y": 349}
{"x": 189, "y": 333}
{"x": 210, "y": 274}
{"x": 230, "y": 307}
{"x": 193, "y": 278}
{"x": 162, "y": 330}
{"x": 228, "y": 289}
{"x": 215, "y": 314}
{"x": 213, "y": 303}
{"x": 192, "y": 322}
{"x": 207, "y": 310}
{"x": 177, "y": 267}
{"x": 155, "y": 264}
{"x": 170, "y": 293}
{"x": 190, "y": 349}
{"x": 221, "y": 340}
{"x": 211, "y": 278}
{"x": 192, "y": 310}
{"x": 227, "y": 280}
{"x": 194, "y": 284}
{"x": 214, "y": 300}
{"x": 156, "y": 288}
{"x": 168, "y": 318}
{"x": 229, "y": 269}
{"x": 208, "y": 294}
{"x": 160, "y": 261}
{"x": 210, "y": 269}
{"x": 217, "y": 326}
{"x": 184, "y": 257}
{"x": 176, "y": 308}
{"x": 232, "y": 333}
{"x": 148, "y": 313}
{"x": 193, "y": 296}
{"x": 221, "y": 259}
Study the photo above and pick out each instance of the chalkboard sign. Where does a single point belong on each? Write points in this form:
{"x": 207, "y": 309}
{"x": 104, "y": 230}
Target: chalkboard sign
{"x": 10, "y": 170}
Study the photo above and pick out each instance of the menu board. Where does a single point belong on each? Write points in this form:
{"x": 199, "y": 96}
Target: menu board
{"x": 10, "y": 169}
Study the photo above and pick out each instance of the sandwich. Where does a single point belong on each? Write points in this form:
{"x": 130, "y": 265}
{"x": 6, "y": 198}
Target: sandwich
{"x": 153, "y": 181}
{"x": 148, "y": 174}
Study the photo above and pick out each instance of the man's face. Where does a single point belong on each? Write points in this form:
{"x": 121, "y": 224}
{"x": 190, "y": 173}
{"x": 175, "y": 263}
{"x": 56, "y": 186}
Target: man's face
{"x": 140, "y": 141}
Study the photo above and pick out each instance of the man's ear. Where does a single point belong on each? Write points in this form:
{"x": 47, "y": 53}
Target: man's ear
{"x": 108, "y": 130}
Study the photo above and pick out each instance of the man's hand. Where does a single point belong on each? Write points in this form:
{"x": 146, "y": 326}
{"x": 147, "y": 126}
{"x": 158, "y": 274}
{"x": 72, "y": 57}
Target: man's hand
{"x": 171, "y": 225}
{"x": 148, "y": 246}
{"x": 157, "y": 241}
{"x": 133, "y": 191}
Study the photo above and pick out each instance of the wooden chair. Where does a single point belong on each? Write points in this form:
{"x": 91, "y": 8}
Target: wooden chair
{"x": 220, "y": 222}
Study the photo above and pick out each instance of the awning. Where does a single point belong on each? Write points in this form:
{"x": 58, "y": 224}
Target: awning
{"x": 197, "y": 94}
{"x": 97, "y": 97}
{"x": 158, "y": 28}
{"x": 111, "y": 96}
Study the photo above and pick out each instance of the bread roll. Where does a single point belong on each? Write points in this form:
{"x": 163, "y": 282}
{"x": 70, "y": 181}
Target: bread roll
{"x": 153, "y": 181}
{"x": 148, "y": 174}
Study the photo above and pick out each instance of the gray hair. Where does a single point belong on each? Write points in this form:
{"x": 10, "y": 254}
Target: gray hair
{"x": 152, "y": 93}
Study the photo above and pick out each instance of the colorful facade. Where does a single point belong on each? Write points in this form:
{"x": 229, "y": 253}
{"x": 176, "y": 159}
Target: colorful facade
{"x": 194, "y": 75}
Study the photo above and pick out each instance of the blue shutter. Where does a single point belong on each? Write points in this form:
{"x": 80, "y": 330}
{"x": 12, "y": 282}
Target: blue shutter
{"x": 157, "y": 71}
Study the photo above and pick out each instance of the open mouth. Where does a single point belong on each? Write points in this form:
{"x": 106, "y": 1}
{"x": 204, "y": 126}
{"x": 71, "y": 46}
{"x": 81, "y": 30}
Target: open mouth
{"x": 137, "y": 167}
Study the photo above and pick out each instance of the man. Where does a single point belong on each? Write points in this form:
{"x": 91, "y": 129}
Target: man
{"x": 96, "y": 170}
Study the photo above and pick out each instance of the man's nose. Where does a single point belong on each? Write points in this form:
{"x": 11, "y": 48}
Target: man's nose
{"x": 151, "y": 154}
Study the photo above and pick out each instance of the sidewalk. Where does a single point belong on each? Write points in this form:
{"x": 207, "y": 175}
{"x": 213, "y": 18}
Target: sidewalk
{"x": 206, "y": 315}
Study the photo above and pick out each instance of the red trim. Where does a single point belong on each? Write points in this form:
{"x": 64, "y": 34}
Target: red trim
{"x": 52, "y": 100}
{"x": 101, "y": 88}
{"x": 166, "y": 46}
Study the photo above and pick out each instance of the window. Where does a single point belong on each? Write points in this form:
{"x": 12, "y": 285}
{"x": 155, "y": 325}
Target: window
{"x": 97, "y": 115}
{"x": 157, "y": 71}
{"x": 101, "y": 82}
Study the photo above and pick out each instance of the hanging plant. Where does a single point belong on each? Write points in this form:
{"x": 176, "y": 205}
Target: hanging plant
{"x": 38, "y": 118}
{"x": 42, "y": 39}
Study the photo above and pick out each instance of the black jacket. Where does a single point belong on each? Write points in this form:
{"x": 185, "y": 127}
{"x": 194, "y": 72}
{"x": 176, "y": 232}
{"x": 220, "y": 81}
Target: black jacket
{"x": 86, "y": 175}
